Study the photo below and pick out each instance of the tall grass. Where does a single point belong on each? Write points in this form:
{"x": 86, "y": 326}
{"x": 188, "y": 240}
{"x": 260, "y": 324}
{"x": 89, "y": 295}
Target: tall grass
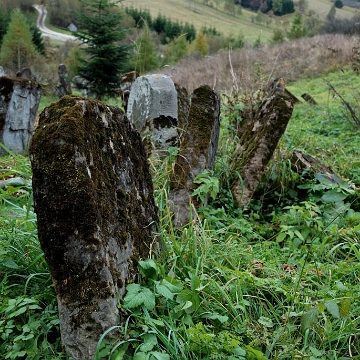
{"x": 28, "y": 310}
{"x": 276, "y": 280}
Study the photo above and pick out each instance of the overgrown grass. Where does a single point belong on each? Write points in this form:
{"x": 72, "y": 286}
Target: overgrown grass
{"x": 278, "y": 279}
{"x": 29, "y": 324}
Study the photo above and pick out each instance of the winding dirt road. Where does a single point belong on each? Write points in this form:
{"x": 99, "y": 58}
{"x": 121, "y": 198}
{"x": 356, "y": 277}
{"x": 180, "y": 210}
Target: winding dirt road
{"x": 46, "y": 32}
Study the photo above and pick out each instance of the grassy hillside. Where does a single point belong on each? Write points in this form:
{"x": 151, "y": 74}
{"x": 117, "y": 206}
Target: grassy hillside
{"x": 225, "y": 23}
{"x": 322, "y": 8}
{"x": 204, "y": 16}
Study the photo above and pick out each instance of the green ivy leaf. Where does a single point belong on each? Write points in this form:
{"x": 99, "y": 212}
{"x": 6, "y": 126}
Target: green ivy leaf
{"x": 139, "y": 295}
{"x": 309, "y": 318}
{"x": 150, "y": 268}
{"x": 266, "y": 322}
{"x": 9, "y": 263}
{"x": 159, "y": 356}
{"x": 345, "y": 307}
{"x": 150, "y": 340}
{"x": 258, "y": 354}
{"x": 140, "y": 356}
{"x": 164, "y": 291}
{"x": 333, "y": 308}
{"x": 333, "y": 196}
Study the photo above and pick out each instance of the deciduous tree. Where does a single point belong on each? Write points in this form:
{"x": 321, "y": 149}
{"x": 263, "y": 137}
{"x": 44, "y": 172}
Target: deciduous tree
{"x": 17, "y": 49}
{"x": 200, "y": 44}
{"x": 101, "y": 32}
{"x": 145, "y": 58}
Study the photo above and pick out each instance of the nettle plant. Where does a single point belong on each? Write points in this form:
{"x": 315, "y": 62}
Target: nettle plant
{"x": 322, "y": 216}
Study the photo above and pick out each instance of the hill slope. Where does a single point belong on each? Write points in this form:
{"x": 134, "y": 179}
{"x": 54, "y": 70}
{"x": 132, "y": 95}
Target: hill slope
{"x": 226, "y": 23}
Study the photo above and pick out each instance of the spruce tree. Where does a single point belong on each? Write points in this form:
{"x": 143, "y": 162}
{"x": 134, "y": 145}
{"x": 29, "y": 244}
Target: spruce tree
{"x": 106, "y": 58}
{"x": 297, "y": 30}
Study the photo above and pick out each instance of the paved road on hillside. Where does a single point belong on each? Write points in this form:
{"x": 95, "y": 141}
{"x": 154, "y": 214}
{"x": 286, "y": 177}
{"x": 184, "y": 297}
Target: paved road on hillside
{"x": 46, "y": 32}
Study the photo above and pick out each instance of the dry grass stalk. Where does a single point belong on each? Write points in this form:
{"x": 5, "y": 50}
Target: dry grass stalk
{"x": 295, "y": 60}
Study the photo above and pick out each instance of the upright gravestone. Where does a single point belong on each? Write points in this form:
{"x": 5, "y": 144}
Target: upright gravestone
{"x": 95, "y": 209}
{"x": 125, "y": 83}
{"x": 153, "y": 109}
{"x": 259, "y": 133}
{"x": 26, "y": 73}
{"x": 197, "y": 152}
{"x": 19, "y": 101}
{"x": 64, "y": 84}
{"x": 2, "y": 71}
{"x": 183, "y": 107}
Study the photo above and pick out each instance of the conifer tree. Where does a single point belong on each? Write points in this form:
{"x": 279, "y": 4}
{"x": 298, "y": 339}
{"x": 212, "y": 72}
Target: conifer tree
{"x": 297, "y": 30}
{"x": 332, "y": 13}
{"x": 180, "y": 48}
{"x": 106, "y": 58}
{"x": 17, "y": 49}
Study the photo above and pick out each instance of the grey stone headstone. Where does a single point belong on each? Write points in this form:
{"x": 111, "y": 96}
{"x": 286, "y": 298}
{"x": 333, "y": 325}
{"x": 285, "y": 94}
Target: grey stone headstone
{"x": 2, "y": 71}
{"x": 197, "y": 152}
{"x": 64, "y": 84}
{"x": 96, "y": 213}
{"x": 26, "y": 73}
{"x": 153, "y": 109}
{"x": 19, "y": 101}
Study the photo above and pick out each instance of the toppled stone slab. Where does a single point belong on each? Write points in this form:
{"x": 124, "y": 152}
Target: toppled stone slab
{"x": 308, "y": 164}
{"x": 309, "y": 99}
{"x": 197, "y": 152}
{"x": 96, "y": 213}
{"x": 153, "y": 109}
{"x": 19, "y": 101}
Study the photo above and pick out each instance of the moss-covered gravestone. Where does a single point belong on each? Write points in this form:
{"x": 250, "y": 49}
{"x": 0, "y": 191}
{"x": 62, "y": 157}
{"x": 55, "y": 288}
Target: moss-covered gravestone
{"x": 96, "y": 212}
{"x": 197, "y": 151}
{"x": 259, "y": 135}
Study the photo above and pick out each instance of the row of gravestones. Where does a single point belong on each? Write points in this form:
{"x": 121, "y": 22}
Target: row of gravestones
{"x": 159, "y": 109}
{"x": 93, "y": 193}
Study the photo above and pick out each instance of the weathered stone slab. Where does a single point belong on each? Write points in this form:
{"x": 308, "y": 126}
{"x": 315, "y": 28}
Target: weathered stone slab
{"x": 183, "y": 107}
{"x": 309, "y": 99}
{"x": 26, "y": 73}
{"x": 64, "y": 85}
{"x": 2, "y": 71}
{"x": 95, "y": 209}
{"x": 153, "y": 109}
{"x": 197, "y": 152}
{"x": 259, "y": 134}
{"x": 125, "y": 83}
{"x": 19, "y": 101}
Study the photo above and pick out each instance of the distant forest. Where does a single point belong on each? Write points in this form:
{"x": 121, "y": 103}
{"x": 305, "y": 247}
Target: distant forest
{"x": 280, "y": 7}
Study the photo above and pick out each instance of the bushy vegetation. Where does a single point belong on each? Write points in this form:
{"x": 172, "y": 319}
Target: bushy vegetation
{"x": 277, "y": 279}
{"x": 167, "y": 29}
